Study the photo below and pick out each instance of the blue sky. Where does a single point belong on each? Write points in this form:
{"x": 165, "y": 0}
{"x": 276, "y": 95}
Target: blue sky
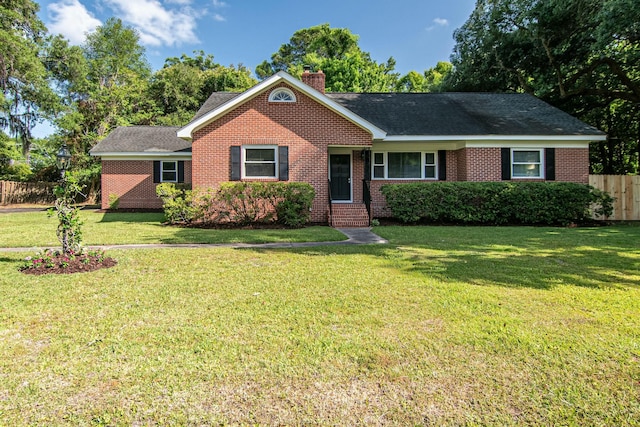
{"x": 417, "y": 33}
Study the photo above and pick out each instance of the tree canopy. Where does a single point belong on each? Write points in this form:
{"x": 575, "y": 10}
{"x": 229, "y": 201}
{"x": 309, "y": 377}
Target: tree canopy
{"x": 25, "y": 94}
{"x": 185, "y": 83}
{"x": 431, "y": 80}
{"x": 336, "y": 52}
{"x": 581, "y": 55}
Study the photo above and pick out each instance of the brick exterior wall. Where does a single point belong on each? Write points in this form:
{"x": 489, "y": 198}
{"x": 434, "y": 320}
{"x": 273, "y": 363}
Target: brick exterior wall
{"x": 481, "y": 164}
{"x": 484, "y": 164}
{"x": 306, "y": 127}
{"x": 310, "y": 131}
{"x": 572, "y": 165}
{"x": 132, "y": 181}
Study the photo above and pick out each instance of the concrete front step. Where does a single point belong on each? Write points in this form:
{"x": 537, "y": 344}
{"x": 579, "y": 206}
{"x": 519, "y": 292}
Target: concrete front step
{"x": 349, "y": 215}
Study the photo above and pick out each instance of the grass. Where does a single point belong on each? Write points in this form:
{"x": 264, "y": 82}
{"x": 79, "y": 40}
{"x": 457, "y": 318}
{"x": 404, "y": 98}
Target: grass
{"x": 33, "y": 229}
{"x": 443, "y": 326}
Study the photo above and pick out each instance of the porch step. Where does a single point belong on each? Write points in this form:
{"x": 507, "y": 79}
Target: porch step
{"x": 347, "y": 215}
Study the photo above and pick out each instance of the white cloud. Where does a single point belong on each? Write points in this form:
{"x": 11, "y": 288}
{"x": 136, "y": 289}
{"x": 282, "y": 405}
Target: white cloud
{"x": 438, "y": 22}
{"x": 441, "y": 22}
{"x": 156, "y": 24}
{"x": 71, "y": 19}
{"x": 218, "y": 4}
{"x": 219, "y": 18}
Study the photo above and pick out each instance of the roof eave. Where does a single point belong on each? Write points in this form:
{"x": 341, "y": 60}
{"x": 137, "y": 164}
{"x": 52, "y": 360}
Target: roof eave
{"x": 416, "y": 138}
{"x": 142, "y": 154}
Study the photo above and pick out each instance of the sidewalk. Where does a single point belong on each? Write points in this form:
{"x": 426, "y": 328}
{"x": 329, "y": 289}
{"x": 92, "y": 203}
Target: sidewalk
{"x": 356, "y": 236}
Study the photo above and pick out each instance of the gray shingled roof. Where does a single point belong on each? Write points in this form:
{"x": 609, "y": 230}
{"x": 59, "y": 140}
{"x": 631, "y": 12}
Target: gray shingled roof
{"x": 404, "y": 114}
{"x": 214, "y": 101}
{"x": 398, "y": 114}
{"x": 401, "y": 114}
{"x": 141, "y": 139}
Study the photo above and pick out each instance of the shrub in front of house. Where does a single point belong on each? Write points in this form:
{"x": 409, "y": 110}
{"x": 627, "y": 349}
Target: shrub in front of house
{"x": 241, "y": 203}
{"x": 495, "y": 203}
{"x": 293, "y": 203}
{"x": 177, "y": 203}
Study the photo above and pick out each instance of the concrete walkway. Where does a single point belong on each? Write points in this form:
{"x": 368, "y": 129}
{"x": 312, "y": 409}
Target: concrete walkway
{"x": 355, "y": 236}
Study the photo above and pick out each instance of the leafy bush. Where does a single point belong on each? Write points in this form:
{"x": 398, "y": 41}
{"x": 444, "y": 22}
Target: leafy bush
{"x": 114, "y": 201}
{"x": 177, "y": 203}
{"x": 253, "y": 202}
{"x": 496, "y": 202}
{"x": 239, "y": 203}
{"x": 20, "y": 172}
{"x": 246, "y": 202}
{"x": 294, "y": 201}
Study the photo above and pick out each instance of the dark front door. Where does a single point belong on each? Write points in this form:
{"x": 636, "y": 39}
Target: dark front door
{"x": 340, "y": 176}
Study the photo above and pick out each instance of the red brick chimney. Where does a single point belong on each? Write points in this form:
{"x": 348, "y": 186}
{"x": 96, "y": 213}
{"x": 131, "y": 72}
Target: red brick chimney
{"x": 315, "y": 80}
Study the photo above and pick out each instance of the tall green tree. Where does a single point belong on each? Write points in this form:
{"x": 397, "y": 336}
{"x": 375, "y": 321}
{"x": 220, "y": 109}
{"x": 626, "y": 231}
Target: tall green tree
{"x": 581, "y": 55}
{"x": 105, "y": 84}
{"x": 181, "y": 87}
{"x": 429, "y": 81}
{"x": 118, "y": 75}
{"x": 337, "y": 53}
{"x": 25, "y": 94}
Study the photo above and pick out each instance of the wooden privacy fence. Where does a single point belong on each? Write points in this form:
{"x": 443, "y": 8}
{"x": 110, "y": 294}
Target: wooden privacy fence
{"x": 26, "y": 192}
{"x": 625, "y": 189}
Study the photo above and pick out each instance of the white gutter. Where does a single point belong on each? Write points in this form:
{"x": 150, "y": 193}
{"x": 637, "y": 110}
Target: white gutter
{"x": 419, "y": 138}
{"x": 142, "y": 155}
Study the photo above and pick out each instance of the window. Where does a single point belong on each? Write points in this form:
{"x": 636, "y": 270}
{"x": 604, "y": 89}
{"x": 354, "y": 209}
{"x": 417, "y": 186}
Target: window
{"x": 169, "y": 171}
{"x": 282, "y": 95}
{"x": 526, "y": 163}
{"x": 378, "y": 165}
{"x": 260, "y": 162}
{"x": 405, "y": 165}
{"x": 430, "y": 165}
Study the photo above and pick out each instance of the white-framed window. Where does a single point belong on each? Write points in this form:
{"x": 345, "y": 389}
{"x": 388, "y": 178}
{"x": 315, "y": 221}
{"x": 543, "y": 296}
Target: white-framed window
{"x": 405, "y": 165}
{"x": 168, "y": 171}
{"x": 527, "y": 163}
{"x": 430, "y": 166}
{"x": 282, "y": 94}
{"x": 260, "y": 161}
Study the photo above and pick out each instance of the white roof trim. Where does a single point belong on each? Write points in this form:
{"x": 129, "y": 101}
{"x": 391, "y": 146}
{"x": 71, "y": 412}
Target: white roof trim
{"x": 564, "y": 138}
{"x": 118, "y": 155}
{"x": 187, "y": 131}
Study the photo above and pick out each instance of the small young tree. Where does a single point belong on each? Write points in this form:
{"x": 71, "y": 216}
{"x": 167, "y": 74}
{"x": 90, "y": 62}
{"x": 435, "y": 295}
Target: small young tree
{"x": 69, "y": 230}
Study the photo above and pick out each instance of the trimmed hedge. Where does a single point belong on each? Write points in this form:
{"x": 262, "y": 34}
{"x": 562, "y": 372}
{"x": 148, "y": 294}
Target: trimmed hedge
{"x": 495, "y": 203}
{"x": 239, "y": 203}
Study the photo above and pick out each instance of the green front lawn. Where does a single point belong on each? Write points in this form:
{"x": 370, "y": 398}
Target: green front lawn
{"x": 37, "y": 229}
{"x": 443, "y": 326}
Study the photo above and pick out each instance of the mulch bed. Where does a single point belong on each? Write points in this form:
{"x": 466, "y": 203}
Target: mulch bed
{"x": 62, "y": 264}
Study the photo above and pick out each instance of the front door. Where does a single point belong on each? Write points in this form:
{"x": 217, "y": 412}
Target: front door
{"x": 340, "y": 176}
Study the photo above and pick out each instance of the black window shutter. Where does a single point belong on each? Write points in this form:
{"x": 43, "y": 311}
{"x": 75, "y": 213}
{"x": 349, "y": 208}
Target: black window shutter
{"x": 367, "y": 165}
{"x": 235, "y": 163}
{"x": 550, "y": 164}
{"x": 505, "y": 154}
{"x": 442, "y": 165}
{"x": 283, "y": 163}
{"x": 156, "y": 171}
{"x": 181, "y": 171}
